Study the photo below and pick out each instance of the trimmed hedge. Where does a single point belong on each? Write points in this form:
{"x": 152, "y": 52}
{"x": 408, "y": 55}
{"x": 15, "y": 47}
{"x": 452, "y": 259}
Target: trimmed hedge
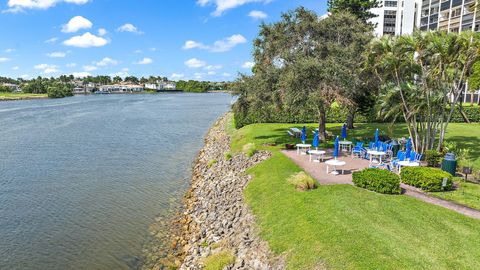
{"x": 428, "y": 179}
{"x": 381, "y": 181}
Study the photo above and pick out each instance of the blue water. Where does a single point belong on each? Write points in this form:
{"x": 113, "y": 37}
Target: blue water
{"x": 82, "y": 178}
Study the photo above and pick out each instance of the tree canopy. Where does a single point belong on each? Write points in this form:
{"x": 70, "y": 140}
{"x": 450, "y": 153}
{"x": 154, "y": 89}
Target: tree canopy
{"x": 359, "y": 8}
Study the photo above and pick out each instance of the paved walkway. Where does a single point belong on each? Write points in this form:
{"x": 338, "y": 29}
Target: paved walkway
{"x": 319, "y": 172}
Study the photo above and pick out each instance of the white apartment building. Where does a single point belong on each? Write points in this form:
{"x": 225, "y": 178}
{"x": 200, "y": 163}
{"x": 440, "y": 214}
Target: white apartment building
{"x": 396, "y": 17}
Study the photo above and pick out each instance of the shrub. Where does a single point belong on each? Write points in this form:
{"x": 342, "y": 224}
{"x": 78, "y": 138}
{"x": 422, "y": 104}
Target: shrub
{"x": 249, "y": 149}
{"x": 211, "y": 163}
{"x": 381, "y": 181}
{"x": 428, "y": 179}
{"x": 302, "y": 181}
{"x": 228, "y": 156}
{"x": 433, "y": 158}
{"x": 218, "y": 261}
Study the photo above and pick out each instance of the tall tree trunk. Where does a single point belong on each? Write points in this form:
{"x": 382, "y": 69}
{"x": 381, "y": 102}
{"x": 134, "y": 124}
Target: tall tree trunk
{"x": 322, "y": 119}
{"x": 351, "y": 118}
{"x": 464, "y": 115}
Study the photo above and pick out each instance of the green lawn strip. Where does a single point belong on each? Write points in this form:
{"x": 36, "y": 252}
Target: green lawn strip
{"x": 467, "y": 194}
{"x": 219, "y": 260}
{"x": 20, "y": 96}
{"x": 344, "y": 227}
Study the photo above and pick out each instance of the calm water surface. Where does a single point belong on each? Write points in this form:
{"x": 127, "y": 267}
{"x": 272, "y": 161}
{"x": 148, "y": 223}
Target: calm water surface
{"x": 82, "y": 178}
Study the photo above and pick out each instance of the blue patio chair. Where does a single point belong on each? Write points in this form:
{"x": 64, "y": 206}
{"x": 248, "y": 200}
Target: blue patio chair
{"x": 400, "y": 157}
{"x": 413, "y": 155}
{"x": 371, "y": 145}
{"x": 384, "y": 147}
{"x": 358, "y": 149}
{"x": 389, "y": 151}
{"x": 418, "y": 158}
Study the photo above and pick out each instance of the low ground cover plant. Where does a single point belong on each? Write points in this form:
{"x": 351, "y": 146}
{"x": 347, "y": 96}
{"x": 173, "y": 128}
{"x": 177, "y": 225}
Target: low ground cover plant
{"x": 302, "y": 181}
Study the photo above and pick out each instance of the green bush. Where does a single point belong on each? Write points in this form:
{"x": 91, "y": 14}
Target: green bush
{"x": 211, "y": 163}
{"x": 302, "y": 181}
{"x": 428, "y": 179}
{"x": 433, "y": 158}
{"x": 228, "y": 156}
{"x": 381, "y": 181}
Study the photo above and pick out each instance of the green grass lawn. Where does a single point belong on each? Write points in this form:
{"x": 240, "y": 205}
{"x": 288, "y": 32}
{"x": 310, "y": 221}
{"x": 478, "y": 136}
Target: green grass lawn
{"x": 344, "y": 227}
{"x": 467, "y": 194}
{"x": 19, "y": 96}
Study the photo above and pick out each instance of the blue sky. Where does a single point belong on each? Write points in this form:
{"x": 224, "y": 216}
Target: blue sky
{"x": 180, "y": 39}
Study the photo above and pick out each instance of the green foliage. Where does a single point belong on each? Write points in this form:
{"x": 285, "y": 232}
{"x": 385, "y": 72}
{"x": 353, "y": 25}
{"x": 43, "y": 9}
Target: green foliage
{"x": 59, "y": 90}
{"x": 433, "y": 157}
{"x": 464, "y": 158}
{"x": 474, "y": 78}
{"x": 211, "y": 163}
{"x": 228, "y": 156}
{"x": 381, "y": 181}
{"x": 218, "y": 261}
{"x": 466, "y": 193}
{"x": 428, "y": 179}
{"x": 5, "y": 89}
{"x": 359, "y": 8}
{"x": 302, "y": 181}
{"x": 193, "y": 86}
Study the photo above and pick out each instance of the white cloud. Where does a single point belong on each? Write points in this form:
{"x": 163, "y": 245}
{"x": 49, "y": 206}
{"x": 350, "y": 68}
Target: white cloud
{"x": 137, "y": 51}
{"x": 223, "y": 45}
{"x": 71, "y": 65}
{"x": 21, "y": 5}
{"x": 9, "y": 50}
{"x": 47, "y": 69}
{"x": 198, "y": 75}
{"x": 225, "y": 74}
{"x": 128, "y": 27}
{"x": 176, "y": 76}
{"x": 248, "y": 65}
{"x": 81, "y": 74}
{"x": 89, "y": 68}
{"x": 153, "y": 49}
{"x": 195, "y": 63}
{"x": 106, "y": 61}
{"x": 145, "y": 61}
{"x": 86, "y": 40}
{"x": 4, "y": 59}
{"x": 16, "y": 68}
{"x": 190, "y": 44}
{"x": 211, "y": 73}
{"x": 57, "y": 54}
{"x": 76, "y": 23}
{"x": 257, "y": 14}
{"x": 25, "y": 76}
{"x": 102, "y": 32}
{"x": 52, "y": 40}
{"x": 213, "y": 67}
{"x": 224, "y": 5}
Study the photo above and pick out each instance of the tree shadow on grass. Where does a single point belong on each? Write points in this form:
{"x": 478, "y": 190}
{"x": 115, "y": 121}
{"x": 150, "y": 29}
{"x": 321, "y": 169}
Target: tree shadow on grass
{"x": 471, "y": 143}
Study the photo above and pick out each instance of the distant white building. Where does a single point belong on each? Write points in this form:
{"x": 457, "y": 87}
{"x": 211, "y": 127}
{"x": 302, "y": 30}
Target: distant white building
{"x": 396, "y": 17}
{"x": 121, "y": 88}
{"x": 161, "y": 85}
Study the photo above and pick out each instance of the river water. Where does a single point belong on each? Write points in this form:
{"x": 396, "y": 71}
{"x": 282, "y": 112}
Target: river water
{"x": 83, "y": 178}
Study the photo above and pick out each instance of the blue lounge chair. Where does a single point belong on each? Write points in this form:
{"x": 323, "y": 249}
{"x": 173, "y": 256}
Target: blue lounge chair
{"x": 400, "y": 157}
{"x": 358, "y": 150}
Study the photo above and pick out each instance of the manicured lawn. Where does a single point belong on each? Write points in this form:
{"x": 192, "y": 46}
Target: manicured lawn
{"x": 467, "y": 194}
{"x": 344, "y": 227}
{"x": 19, "y": 96}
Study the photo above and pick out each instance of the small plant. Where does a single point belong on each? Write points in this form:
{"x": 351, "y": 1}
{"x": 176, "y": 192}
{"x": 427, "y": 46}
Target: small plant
{"x": 381, "y": 181}
{"x": 433, "y": 158}
{"x": 220, "y": 260}
{"x": 464, "y": 158}
{"x": 228, "y": 156}
{"x": 249, "y": 149}
{"x": 211, "y": 163}
{"x": 449, "y": 147}
{"x": 204, "y": 244}
{"x": 302, "y": 181}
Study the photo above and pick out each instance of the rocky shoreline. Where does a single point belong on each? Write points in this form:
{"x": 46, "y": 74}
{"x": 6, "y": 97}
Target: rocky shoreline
{"x": 215, "y": 219}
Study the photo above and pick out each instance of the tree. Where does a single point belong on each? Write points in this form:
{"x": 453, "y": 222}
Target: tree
{"x": 474, "y": 80}
{"x": 359, "y": 8}
{"x": 423, "y": 76}
{"x": 117, "y": 79}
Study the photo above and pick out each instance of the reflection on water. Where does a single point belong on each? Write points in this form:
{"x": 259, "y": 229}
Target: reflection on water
{"x": 83, "y": 178}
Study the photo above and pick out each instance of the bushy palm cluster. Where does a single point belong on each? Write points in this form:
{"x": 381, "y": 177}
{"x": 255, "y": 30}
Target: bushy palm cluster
{"x": 423, "y": 77}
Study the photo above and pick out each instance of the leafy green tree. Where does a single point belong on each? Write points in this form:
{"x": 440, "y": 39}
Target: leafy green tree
{"x": 59, "y": 90}
{"x": 474, "y": 80}
{"x": 117, "y": 79}
{"x": 359, "y": 8}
